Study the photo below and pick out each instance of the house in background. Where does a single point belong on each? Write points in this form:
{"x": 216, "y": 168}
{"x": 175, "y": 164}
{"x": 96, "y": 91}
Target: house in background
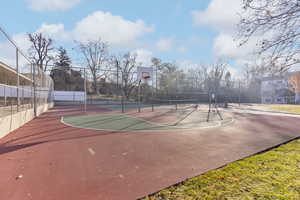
{"x": 277, "y": 90}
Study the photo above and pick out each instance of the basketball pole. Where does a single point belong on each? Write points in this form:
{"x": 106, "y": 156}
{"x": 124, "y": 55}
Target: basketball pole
{"x": 239, "y": 93}
{"x": 139, "y": 96}
{"x": 152, "y": 92}
{"x": 209, "y": 106}
{"x": 143, "y": 73}
{"x": 123, "y": 94}
{"x": 85, "y": 90}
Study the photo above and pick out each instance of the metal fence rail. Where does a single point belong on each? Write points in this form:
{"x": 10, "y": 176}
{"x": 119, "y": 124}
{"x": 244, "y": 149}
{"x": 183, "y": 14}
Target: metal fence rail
{"x": 23, "y": 85}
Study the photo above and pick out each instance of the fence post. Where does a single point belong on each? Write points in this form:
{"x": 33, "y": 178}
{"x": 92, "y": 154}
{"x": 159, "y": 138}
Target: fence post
{"x": 4, "y": 88}
{"x": 122, "y": 102}
{"x": 11, "y": 106}
{"x": 31, "y": 88}
{"x": 73, "y": 97}
{"x": 22, "y": 99}
{"x": 18, "y": 79}
{"x": 34, "y": 91}
{"x": 118, "y": 79}
{"x": 239, "y": 93}
{"x": 139, "y": 97}
{"x": 156, "y": 81}
{"x": 85, "y": 91}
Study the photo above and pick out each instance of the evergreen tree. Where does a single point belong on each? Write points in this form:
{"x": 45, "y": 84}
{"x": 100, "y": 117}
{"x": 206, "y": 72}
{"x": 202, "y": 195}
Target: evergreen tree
{"x": 65, "y": 79}
{"x": 63, "y": 61}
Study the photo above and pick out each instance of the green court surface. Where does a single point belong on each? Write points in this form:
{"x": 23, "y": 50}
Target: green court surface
{"x": 112, "y": 122}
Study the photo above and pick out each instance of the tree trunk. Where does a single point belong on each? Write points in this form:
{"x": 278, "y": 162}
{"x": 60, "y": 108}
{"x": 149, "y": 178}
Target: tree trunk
{"x": 96, "y": 87}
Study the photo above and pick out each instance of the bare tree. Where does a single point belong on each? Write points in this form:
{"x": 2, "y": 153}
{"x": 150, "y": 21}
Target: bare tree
{"x": 95, "y": 53}
{"x": 278, "y": 22}
{"x": 213, "y": 76}
{"x": 127, "y": 65}
{"x": 250, "y": 85}
{"x": 256, "y": 70}
{"x": 157, "y": 64}
{"x": 196, "y": 76}
{"x": 40, "y": 50}
{"x": 228, "y": 81}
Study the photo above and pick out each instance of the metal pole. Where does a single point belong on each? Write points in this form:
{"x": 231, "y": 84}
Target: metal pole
{"x": 152, "y": 90}
{"x": 122, "y": 100}
{"x": 4, "y": 88}
{"x": 117, "y": 80}
{"x": 22, "y": 101}
{"x": 34, "y": 92}
{"x": 85, "y": 91}
{"x": 209, "y": 106}
{"x": 156, "y": 82}
{"x": 122, "y": 104}
{"x": 239, "y": 93}
{"x": 18, "y": 79}
{"x": 31, "y": 88}
{"x": 139, "y": 96}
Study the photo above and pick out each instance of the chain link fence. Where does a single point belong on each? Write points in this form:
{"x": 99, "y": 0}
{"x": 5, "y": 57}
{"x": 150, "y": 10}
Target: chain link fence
{"x": 23, "y": 85}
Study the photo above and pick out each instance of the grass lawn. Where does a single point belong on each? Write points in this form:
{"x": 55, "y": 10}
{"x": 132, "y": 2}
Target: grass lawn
{"x": 286, "y": 108}
{"x": 272, "y": 175}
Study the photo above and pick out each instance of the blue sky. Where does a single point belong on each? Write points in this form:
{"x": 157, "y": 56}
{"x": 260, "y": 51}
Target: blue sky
{"x": 187, "y": 32}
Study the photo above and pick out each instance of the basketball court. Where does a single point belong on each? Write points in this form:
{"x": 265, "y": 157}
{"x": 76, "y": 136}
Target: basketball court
{"x": 133, "y": 149}
{"x": 130, "y": 149}
{"x": 162, "y": 118}
{"x": 47, "y": 159}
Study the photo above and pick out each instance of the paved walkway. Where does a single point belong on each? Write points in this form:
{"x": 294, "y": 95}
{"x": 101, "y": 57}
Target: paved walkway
{"x": 48, "y": 160}
{"x": 262, "y": 112}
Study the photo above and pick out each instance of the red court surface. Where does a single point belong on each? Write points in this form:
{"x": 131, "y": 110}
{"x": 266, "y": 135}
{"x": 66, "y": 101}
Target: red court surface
{"x": 57, "y": 162}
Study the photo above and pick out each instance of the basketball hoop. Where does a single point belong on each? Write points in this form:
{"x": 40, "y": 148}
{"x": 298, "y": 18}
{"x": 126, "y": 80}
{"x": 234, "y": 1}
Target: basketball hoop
{"x": 145, "y": 76}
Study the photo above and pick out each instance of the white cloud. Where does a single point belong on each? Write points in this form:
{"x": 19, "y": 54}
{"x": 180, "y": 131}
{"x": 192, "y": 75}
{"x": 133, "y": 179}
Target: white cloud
{"x": 55, "y": 31}
{"x": 226, "y": 46}
{"x": 165, "y": 44}
{"x": 115, "y": 30}
{"x": 187, "y": 64}
{"x": 52, "y": 5}
{"x": 223, "y": 17}
{"x": 111, "y": 28}
{"x": 220, "y": 14}
{"x": 143, "y": 56}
